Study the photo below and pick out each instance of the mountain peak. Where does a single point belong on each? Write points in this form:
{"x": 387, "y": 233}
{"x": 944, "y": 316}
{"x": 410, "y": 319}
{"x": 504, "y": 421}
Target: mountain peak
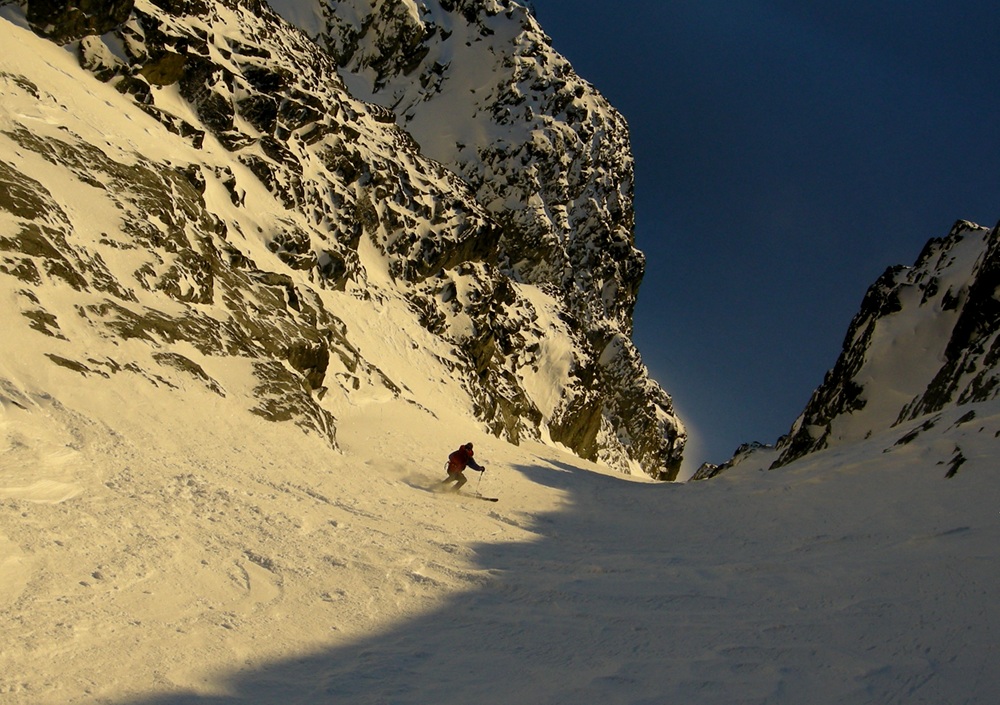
{"x": 923, "y": 340}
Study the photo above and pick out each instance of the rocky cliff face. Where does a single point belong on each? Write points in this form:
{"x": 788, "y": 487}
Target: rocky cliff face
{"x": 482, "y": 91}
{"x": 268, "y": 198}
{"x": 480, "y": 88}
{"x": 926, "y": 338}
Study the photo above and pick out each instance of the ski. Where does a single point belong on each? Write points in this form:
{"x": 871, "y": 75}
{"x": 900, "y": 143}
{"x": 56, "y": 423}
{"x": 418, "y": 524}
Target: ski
{"x": 469, "y": 496}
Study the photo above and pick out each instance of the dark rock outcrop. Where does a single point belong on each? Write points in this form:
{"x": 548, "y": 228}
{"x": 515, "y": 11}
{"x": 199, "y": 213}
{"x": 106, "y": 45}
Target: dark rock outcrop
{"x": 64, "y": 21}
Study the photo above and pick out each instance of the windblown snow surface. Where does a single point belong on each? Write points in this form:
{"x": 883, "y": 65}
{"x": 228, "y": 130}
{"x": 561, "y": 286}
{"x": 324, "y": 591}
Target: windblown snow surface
{"x": 159, "y": 545}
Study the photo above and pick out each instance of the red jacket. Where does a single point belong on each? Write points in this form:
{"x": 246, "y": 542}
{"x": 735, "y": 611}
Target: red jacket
{"x": 461, "y": 458}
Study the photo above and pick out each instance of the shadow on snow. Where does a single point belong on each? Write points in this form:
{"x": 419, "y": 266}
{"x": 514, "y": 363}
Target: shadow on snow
{"x": 541, "y": 630}
{"x": 630, "y": 596}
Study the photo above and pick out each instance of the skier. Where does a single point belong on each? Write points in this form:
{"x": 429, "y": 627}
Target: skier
{"x": 457, "y": 462}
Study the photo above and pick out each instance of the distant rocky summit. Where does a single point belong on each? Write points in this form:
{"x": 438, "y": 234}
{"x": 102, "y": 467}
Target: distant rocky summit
{"x": 926, "y": 340}
{"x": 435, "y": 163}
{"x": 926, "y": 337}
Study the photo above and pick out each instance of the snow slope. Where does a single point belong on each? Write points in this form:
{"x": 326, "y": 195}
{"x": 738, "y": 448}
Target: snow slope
{"x": 163, "y": 557}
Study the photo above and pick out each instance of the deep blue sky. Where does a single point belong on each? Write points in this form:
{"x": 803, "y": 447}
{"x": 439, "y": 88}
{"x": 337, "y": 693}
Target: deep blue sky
{"x": 786, "y": 154}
